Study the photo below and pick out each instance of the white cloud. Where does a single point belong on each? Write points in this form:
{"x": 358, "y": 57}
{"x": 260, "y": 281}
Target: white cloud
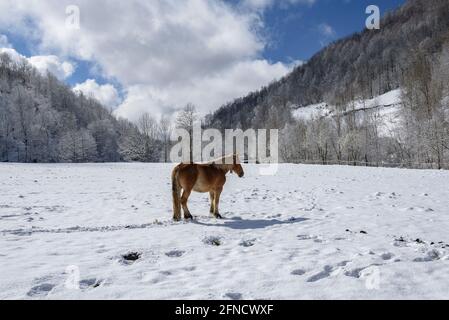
{"x": 106, "y": 94}
{"x": 61, "y": 69}
{"x": 164, "y": 53}
{"x": 206, "y": 92}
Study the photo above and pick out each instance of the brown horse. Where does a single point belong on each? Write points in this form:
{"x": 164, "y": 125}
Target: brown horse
{"x": 208, "y": 177}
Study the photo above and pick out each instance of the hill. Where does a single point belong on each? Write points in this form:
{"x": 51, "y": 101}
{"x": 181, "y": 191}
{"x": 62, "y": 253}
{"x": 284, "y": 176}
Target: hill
{"x": 410, "y": 51}
{"x": 364, "y": 65}
{"x": 43, "y": 120}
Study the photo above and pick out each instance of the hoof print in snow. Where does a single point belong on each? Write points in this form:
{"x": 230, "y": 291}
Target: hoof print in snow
{"x": 343, "y": 263}
{"x": 90, "y": 283}
{"x": 305, "y": 237}
{"x": 131, "y": 257}
{"x": 174, "y": 253}
{"x": 40, "y": 290}
{"x": 247, "y": 243}
{"x": 321, "y": 275}
{"x": 298, "y": 272}
{"x": 212, "y": 241}
{"x": 233, "y": 296}
{"x": 400, "y": 242}
{"x": 354, "y": 273}
{"x": 432, "y": 255}
{"x": 363, "y": 232}
{"x": 387, "y": 256}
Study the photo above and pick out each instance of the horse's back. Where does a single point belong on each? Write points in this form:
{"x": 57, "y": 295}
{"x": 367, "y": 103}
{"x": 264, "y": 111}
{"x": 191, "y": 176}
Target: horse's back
{"x": 199, "y": 177}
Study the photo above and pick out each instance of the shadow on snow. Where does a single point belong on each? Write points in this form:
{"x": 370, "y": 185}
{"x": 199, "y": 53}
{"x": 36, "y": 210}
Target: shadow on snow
{"x": 242, "y": 224}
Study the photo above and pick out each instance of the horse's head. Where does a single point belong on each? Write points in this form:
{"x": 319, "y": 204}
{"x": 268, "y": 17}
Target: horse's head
{"x": 237, "y": 167}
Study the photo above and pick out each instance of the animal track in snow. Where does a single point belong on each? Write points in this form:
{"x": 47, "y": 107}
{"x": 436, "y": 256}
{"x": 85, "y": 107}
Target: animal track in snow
{"x": 90, "y": 283}
{"x": 431, "y": 255}
{"x": 175, "y": 253}
{"x": 387, "y": 255}
{"x": 212, "y": 241}
{"x": 298, "y": 272}
{"x": 234, "y": 295}
{"x": 321, "y": 275}
{"x": 41, "y": 290}
{"x": 358, "y": 272}
{"x": 247, "y": 243}
{"x": 305, "y": 237}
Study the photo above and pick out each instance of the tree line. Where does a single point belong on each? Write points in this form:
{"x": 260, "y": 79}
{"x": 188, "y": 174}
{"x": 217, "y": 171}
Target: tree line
{"x": 43, "y": 120}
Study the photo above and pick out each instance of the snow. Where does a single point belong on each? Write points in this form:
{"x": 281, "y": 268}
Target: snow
{"x": 313, "y": 111}
{"x": 306, "y": 232}
{"x": 386, "y": 104}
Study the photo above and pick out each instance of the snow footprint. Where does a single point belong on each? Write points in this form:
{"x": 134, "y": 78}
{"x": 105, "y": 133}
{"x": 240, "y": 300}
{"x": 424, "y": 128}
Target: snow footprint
{"x": 212, "y": 241}
{"x": 386, "y": 256}
{"x": 247, "y": 243}
{"x": 233, "y": 295}
{"x": 359, "y": 272}
{"x": 90, "y": 283}
{"x": 41, "y": 290}
{"x": 309, "y": 237}
{"x": 321, "y": 275}
{"x": 298, "y": 272}
{"x": 431, "y": 255}
{"x": 175, "y": 253}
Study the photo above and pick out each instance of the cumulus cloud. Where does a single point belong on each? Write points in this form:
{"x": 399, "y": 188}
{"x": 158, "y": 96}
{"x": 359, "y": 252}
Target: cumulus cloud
{"x": 61, "y": 69}
{"x": 165, "y": 53}
{"x": 206, "y": 92}
{"x": 105, "y": 94}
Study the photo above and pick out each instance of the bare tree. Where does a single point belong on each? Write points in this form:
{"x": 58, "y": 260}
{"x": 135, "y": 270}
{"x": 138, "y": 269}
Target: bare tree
{"x": 185, "y": 120}
{"x": 165, "y": 127}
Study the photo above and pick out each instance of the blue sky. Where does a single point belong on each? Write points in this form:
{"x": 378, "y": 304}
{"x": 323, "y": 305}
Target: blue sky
{"x": 154, "y": 56}
{"x": 295, "y": 31}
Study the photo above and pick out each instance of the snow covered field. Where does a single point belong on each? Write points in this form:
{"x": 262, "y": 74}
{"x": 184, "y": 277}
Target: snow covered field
{"x": 307, "y": 232}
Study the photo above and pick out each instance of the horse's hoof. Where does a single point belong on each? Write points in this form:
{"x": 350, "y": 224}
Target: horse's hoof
{"x": 218, "y": 216}
{"x": 190, "y": 217}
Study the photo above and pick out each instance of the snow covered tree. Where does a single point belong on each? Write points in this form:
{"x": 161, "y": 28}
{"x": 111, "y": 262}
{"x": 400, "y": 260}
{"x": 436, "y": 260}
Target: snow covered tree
{"x": 185, "y": 120}
{"x": 78, "y": 146}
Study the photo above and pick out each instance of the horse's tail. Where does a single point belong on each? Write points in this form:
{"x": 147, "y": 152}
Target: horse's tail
{"x": 176, "y": 192}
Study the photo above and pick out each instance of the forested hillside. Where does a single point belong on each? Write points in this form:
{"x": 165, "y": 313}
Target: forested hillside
{"x": 410, "y": 51}
{"x": 43, "y": 120}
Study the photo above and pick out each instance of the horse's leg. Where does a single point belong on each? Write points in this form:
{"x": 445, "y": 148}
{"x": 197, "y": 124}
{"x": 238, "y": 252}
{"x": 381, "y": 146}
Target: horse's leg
{"x": 217, "y": 194}
{"x": 211, "y": 195}
{"x": 177, "y": 205}
{"x": 184, "y": 198}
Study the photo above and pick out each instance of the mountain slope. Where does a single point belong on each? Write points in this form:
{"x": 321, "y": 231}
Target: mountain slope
{"x": 363, "y": 65}
{"x": 43, "y": 120}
